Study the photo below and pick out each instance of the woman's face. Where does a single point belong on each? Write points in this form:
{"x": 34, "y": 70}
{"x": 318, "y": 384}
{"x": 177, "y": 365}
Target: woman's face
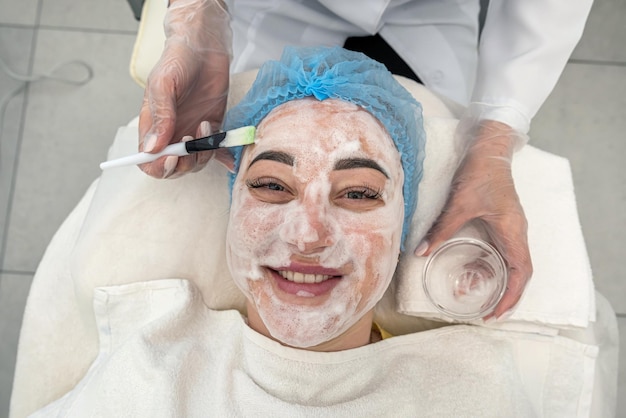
{"x": 316, "y": 219}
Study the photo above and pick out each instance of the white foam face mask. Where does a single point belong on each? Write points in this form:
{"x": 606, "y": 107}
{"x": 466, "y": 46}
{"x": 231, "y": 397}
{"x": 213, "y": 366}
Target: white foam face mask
{"x": 316, "y": 219}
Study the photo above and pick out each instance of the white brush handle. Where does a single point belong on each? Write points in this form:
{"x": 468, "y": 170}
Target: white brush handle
{"x": 177, "y": 149}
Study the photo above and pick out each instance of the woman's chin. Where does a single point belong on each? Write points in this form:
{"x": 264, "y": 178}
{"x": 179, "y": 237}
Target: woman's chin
{"x": 303, "y": 315}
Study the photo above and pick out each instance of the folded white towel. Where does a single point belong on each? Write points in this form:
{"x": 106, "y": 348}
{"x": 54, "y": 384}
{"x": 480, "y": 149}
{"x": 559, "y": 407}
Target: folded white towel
{"x": 560, "y": 292}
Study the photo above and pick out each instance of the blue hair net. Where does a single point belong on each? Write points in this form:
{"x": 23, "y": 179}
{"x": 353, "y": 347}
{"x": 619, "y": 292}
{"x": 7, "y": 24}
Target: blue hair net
{"x": 325, "y": 72}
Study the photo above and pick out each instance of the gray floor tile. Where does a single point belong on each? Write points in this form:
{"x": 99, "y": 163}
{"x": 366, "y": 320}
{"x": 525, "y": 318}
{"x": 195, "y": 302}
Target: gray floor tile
{"x": 583, "y": 120}
{"x": 89, "y": 14}
{"x": 8, "y": 150}
{"x": 605, "y": 32}
{"x": 67, "y": 132}
{"x": 621, "y": 379}
{"x": 15, "y": 47}
{"x": 23, "y": 12}
{"x": 13, "y": 293}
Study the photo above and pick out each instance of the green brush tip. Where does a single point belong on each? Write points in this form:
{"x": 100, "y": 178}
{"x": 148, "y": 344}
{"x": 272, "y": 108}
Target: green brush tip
{"x": 239, "y": 136}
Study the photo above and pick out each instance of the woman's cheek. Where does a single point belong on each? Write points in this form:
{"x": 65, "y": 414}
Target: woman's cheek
{"x": 259, "y": 223}
{"x": 382, "y": 221}
{"x": 251, "y": 233}
{"x": 373, "y": 234}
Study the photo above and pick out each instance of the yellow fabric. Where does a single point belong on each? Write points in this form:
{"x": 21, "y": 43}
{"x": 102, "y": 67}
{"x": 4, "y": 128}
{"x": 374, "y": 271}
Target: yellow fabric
{"x": 384, "y": 334}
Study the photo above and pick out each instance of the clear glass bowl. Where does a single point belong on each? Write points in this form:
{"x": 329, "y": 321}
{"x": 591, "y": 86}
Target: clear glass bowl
{"x": 465, "y": 278}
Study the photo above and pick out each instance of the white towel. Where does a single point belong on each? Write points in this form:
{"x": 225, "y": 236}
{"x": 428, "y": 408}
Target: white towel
{"x": 161, "y": 351}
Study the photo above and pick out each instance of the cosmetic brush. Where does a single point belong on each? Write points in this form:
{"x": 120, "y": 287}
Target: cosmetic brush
{"x": 232, "y": 138}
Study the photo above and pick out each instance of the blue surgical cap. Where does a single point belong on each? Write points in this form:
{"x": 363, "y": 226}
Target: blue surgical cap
{"x": 334, "y": 72}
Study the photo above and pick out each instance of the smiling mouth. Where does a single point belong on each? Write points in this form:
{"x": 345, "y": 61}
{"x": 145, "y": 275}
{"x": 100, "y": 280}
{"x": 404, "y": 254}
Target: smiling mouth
{"x": 297, "y": 277}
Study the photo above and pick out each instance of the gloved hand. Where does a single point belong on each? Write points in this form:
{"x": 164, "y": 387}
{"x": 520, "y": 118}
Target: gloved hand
{"x": 188, "y": 85}
{"x": 483, "y": 189}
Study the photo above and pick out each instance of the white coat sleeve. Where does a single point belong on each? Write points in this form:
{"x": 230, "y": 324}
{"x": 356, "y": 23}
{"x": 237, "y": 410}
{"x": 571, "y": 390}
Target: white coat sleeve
{"x": 524, "y": 47}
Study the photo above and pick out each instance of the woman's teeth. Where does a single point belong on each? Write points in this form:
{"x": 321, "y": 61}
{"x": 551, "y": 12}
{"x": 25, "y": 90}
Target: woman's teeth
{"x": 303, "y": 278}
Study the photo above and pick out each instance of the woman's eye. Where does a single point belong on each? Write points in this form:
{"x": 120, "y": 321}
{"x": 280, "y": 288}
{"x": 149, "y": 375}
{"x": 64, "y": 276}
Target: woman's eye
{"x": 364, "y": 193}
{"x": 360, "y": 199}
{"x": 263, "y": 183}
{"x": 269, "y": 190}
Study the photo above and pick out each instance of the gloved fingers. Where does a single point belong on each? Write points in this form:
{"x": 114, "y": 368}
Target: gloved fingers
{"x": 166, "y": 120}
{"x": 449, "y": 222}
{"x": 207, "y": 102}
{"x": 157, "y": 117}
{"x": 204, "y": 129}
{"x": 482, "y": 183}
{"x": 221, "y": 155}
{"x": 517, "y": 281}
{"x": 175, "y": 167}
{"x": 203, "y": 95}
{"x": 509, "y": 232}
{"x": 474, "y": 193}
{"x": 162, "y": 168}
{"x": 167, "y": 166}
{"x": 199, "y": 159}
{"x": 180, "y": 165}
{"x": 155, "y": 133}
{"x": 168, "y": 87}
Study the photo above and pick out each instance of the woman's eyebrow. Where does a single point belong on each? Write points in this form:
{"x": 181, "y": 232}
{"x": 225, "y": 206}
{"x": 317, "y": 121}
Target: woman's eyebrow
{"x": 279, "y": 156}
{"x": 349, "y": 163}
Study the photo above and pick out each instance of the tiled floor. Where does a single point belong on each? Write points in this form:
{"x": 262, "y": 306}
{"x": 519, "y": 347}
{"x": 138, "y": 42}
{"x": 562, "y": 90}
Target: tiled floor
{"x": 54, "y": 135}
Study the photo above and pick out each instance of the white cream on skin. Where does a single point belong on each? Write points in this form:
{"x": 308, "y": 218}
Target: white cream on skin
{"x": 311, "y": 256}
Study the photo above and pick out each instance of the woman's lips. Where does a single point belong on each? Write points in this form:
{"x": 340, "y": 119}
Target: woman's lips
{"x": 305, "y": 284}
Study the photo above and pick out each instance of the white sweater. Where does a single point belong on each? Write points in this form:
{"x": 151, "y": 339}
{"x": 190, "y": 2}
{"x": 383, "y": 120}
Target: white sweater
{"x": 163, "y": 353}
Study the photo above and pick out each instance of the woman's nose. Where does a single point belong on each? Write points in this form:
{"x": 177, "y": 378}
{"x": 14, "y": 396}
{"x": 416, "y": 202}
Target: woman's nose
{"x": 308, "y": 229}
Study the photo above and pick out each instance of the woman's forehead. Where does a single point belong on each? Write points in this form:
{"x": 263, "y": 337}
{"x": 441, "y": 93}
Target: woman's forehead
{"x": 309, "y": 125}
{"x": 325, "y": 113}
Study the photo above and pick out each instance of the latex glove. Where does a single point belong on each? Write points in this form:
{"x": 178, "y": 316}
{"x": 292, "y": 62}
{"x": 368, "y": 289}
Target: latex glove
{"x": 483, "y": 189}
{"x": 221, "y": 155}
{"x": 188, "y": 85}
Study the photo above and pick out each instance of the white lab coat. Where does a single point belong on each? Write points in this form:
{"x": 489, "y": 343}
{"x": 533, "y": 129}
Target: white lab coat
{"x": 523, "y": 49}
